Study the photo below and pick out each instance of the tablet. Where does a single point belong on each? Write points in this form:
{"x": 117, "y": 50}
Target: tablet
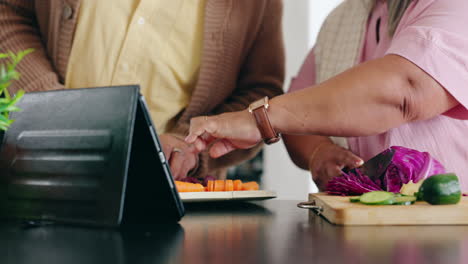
{"x": 85, "y": 156}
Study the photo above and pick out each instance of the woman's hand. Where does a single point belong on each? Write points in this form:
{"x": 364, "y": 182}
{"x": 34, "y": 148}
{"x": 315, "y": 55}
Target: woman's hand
{"x": 182, "y": 157}
{"x": 227, "y": 132}
{"x": 327, "y": 161}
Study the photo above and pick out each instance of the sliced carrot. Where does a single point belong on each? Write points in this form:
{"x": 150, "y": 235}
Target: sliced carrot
{"x": 210, "y": 186}
{"x": 229, "y": 186}
{"x": 250, "y": 186}
{"x": 189, "y": 187}
{"x": 237, "y": 185}
{"x": 181, "y": 186}
{"x": 197, "y": 187}
{"x": 219, "y": 186}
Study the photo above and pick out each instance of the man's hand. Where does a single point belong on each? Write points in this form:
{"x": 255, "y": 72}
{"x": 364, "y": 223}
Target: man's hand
{"x": 327, "y": 161}
{"x": 226, "y": 132}
{"x": 182, "y": 157}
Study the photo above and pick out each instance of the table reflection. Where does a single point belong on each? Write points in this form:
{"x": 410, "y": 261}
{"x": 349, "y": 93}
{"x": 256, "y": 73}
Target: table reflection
{"x": 382, "y": 244}
{"x": 58, "y": 244}
{"x": 226, "y": 233}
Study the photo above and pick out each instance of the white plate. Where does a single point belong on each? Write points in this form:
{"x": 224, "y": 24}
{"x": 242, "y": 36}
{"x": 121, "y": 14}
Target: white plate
{"x": 196, "y": 197}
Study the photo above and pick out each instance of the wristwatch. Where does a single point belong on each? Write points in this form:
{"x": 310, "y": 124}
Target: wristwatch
{"x": 259, "y": 110}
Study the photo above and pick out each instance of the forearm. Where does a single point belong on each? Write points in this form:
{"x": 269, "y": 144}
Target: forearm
{"x": 19, "y": 31}
{"x": 366, "y": 100}
{"x": 302, "y": 147}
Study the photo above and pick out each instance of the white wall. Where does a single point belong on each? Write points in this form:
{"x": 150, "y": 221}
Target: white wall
{"x": 302, "y": 20}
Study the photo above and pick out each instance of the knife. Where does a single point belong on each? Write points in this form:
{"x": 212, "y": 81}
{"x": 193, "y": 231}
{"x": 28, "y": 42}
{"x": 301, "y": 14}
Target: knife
{"x": 376, "y": 166}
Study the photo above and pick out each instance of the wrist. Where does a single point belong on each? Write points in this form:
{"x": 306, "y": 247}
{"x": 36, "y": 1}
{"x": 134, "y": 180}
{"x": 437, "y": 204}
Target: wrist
{"x": 318, "y": 147}
{"x": 259, "y": 110}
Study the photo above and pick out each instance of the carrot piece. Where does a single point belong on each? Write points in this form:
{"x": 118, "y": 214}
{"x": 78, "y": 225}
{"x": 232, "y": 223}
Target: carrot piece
{"x": 237, "y": 185}
{"x": 181, "y": 186}
{"x": 250, "y": 186}
{"x": 219, "y": 186}
{"x": 189, "y": 187}
{"x": 210, "y": 186}
{"x": 229, "y": 186}
{"x": 196, "y": 187}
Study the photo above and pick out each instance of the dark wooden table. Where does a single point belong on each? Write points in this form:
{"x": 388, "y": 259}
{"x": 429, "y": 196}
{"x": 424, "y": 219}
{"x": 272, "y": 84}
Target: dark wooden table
{"x": 268, "y": 232}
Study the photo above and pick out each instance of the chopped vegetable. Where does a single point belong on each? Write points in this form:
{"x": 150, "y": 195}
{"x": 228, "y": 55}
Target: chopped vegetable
{"x": 237, "y": 185}
{"x": 208, "y": 178}
{"x": 191, "y": 180}
{"x": 229, "y": 185}
{"x": 383, "y": 198}
{"x": 211, "y": 186}
{"x": 217, "y": 186}
{"x": 377, "y": 198}
{"x": 189, "y": 187}
{"x": 440, "y": 189}
{"x": 406, "y": 165}
{"x": 352, "y": 183}
{"x": 250, "y": 186}
{"x": 437, "y": 190}
{"x": 404, "y": 200}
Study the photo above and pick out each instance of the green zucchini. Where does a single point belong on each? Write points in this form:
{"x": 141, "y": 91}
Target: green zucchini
{"x": 377, "y": 198}
{"x": 404, "y": 200}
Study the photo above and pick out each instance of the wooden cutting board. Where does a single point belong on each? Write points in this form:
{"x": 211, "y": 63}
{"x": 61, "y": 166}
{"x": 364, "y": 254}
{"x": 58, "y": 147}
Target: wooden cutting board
{"x": 338, "y": 210}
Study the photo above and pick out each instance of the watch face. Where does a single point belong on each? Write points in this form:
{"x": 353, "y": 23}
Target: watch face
{"x": 259, "y": 103}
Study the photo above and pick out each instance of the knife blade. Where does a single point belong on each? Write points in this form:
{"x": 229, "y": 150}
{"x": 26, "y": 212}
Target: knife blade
{"x": 376, "y": 166}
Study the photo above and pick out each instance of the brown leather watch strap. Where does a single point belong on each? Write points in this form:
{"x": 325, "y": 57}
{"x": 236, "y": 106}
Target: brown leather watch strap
{"x": 263, "y": 123}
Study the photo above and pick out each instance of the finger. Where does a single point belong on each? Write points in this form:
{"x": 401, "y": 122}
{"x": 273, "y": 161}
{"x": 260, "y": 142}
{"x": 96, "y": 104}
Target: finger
{"x": 317, "y": 179}
{"x": 221, "y": 148}
{"x": 332, "y": 171}
{"x": 199, "y": 126}
{"x": 167, "y": 151}
{"x": 166, "y": 146}
{"x": 189, "y": 163}
{"x": 199, "y": 144}
{"x": 350, "y": 160}
{"x": 176, "y": 163}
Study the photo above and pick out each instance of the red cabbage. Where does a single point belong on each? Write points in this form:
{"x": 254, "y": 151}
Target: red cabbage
{"x": 208, "y": 178}
{"x": 407, "y": 165}
{"x": 203, "y": 181}
{"x": 191, "y": 180}
{"x": 352, "y": 183}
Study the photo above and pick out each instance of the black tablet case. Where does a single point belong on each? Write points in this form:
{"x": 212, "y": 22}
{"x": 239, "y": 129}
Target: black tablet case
{"x": 86, "y": 156}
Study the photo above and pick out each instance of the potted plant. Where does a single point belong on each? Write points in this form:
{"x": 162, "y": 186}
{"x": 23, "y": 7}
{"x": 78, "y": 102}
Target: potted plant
{"x": 8, "y": 74}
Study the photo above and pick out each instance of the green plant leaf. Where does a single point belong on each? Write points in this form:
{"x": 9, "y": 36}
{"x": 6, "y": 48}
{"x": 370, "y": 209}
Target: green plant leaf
{"x": 22, "y": 54}
{"x": 5, "y": 120}
{"x": 8, "y": 74}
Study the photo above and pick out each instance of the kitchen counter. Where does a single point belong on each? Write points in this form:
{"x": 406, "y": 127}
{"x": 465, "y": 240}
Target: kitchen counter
{"x": 266, "y": 232}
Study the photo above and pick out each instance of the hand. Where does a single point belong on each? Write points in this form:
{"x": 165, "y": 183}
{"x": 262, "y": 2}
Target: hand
{"x": 327, "y": 161}
{"x": 182, "y": 157}
{"x": 228, "y": 131}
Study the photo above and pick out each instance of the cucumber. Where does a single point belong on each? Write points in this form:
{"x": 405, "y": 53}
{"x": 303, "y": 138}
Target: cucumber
{"x": 440, "y": 189}
{"x": 404, "y": 200}
{"x": 355, "y": 199}
{"x": 377, "y": 198}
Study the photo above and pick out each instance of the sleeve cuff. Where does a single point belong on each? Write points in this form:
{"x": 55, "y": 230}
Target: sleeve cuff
{"x": 444, "y": 67}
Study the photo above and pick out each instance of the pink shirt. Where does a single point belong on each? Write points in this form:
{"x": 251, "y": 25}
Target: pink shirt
{"x": 433, "y": 34}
